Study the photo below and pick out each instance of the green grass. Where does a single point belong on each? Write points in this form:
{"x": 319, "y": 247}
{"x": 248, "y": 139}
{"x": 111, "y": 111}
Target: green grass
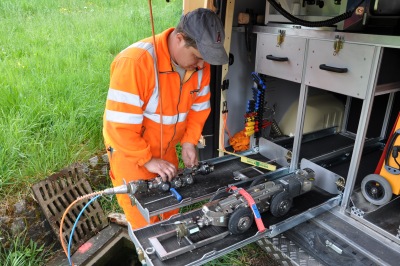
{"x": 23, "y": 252}
{"x": 54, "y": 74}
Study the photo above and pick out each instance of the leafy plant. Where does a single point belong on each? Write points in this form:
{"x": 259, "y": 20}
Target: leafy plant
{"x": 23, "y": 252}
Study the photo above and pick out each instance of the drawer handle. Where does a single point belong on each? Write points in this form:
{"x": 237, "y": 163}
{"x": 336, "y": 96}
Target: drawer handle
{"x": 279, "y": 59}
{"x": 333, "y": 69}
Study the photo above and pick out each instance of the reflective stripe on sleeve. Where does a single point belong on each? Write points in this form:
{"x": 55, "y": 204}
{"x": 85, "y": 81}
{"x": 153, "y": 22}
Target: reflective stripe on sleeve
{"x": 123, "y": 118}
{"x": 201, "y": 106}
{"x": 153, "y": 101}
{"x": 124, "y": 97}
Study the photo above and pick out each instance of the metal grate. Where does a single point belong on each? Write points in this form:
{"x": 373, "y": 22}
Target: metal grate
{"x": 57, "y": 192}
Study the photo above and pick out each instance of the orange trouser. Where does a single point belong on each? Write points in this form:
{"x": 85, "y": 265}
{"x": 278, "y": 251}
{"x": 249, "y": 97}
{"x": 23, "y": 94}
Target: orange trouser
{"x": 132, "y": 213}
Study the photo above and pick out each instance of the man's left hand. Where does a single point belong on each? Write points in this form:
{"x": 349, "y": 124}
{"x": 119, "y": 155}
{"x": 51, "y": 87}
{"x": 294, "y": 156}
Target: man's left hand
{"x": 189, "y": 155}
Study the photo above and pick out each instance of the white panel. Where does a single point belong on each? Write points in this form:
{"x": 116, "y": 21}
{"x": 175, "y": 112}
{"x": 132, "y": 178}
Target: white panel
{"x": 324, "y": 178}
{"x": 291, "y": 48}
{"x": 356, "y": 58}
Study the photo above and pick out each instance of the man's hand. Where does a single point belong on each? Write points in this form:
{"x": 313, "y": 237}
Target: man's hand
{"x": 189, "y": 155}
{"x": 164, "y": 169}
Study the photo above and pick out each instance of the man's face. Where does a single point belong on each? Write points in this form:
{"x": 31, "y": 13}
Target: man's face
{"x": 187, "y": 57}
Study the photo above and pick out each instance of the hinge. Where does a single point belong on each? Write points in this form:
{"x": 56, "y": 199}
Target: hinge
{"x": 225, "y": 85}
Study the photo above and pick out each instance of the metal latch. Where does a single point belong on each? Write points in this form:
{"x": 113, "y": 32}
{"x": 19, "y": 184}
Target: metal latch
{"x": 280, "y": 38}
{"x": 202, "y": 141}
{"x": 338, "y": 44}
{"x": 225, "y": 85}
{"x": 141, "y": 257}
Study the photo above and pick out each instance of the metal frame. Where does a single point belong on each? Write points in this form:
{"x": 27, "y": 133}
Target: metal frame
{"x": 142, "y": 200}
{"x": 155, "y": 241}
{"x": 156, "y": 254}
{"x": 362, "y": 129}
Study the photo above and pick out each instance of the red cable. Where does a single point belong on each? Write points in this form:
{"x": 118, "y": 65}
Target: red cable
{"x": 253, "y": 206}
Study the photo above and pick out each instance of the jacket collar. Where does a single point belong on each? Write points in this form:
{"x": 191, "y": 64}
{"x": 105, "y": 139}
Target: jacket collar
{"x": 163, "y": 55}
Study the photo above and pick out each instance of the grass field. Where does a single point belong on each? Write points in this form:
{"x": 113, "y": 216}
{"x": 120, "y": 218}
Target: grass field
{"x": 54, "y": 74}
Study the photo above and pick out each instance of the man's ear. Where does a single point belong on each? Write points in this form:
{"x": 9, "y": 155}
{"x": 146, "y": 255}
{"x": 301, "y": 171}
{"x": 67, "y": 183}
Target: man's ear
{"x": 180, "y": 39}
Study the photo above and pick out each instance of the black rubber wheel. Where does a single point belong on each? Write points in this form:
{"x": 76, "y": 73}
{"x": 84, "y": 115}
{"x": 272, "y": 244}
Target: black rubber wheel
{"x": 220, "y": 195}
{"x": 376, "y": 189}
{"x": 280, "y": 204}
{"x": 240, "y": 221}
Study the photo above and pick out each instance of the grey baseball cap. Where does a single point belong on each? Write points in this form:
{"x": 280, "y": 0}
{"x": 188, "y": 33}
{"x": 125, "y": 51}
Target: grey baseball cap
{"x": 206, "y": 29}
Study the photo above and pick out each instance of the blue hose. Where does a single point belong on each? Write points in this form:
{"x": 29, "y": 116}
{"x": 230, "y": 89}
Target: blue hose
{"x": 73, "y": 228}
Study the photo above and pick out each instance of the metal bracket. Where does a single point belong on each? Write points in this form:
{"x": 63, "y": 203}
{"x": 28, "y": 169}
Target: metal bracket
{"x": 333, "y": 246}
{"x": 280, "y": 38}
{"x": 225, "y": 85}
{"x": 185, "y": 246}
{"x": 357, "y": 212}
{"x": 338, "y": 44}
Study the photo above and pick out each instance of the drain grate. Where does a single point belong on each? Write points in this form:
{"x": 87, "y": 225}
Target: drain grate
{"x": 57, "y": 192}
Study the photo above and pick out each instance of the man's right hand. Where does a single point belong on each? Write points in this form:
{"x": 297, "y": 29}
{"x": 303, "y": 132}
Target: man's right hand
{"x": 164, "y": 169}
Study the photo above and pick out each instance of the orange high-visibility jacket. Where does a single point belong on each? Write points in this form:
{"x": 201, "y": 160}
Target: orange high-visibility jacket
{"x": 131, "y": 122}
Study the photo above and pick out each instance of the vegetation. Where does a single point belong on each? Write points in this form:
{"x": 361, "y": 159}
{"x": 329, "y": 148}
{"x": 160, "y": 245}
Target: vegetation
{"x": 23, "y": 252}
{"x": 54, "y": 74}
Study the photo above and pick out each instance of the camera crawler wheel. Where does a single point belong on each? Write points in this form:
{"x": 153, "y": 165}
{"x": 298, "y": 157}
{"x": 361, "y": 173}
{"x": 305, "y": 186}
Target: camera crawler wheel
{"x": 240, "y": 220}
{"x": 280, "y": 204}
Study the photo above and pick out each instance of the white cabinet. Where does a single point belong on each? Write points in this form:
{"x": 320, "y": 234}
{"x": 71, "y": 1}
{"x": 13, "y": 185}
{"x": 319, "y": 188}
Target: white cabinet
{"x": 346, "y": 72}
{"x": 358, "y": 66}
{"x": 284, "y": 60}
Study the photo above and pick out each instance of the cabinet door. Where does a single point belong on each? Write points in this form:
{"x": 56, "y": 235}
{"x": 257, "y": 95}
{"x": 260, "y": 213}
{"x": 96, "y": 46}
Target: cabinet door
{"x": 346, "y": 72}
{"x": 283, "y": 61}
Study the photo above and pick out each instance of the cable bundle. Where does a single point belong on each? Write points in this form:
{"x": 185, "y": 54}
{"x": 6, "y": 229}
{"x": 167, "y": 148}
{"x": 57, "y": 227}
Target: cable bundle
{"x": 255, "y": 108}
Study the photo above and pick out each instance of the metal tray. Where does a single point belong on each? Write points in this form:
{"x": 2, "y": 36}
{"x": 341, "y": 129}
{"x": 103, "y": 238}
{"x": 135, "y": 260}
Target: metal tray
{"x": 227, "y": 170}
{"x": 304, "y": 207}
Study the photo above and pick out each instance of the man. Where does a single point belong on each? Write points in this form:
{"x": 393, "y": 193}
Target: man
{"x": 159, "y": 97}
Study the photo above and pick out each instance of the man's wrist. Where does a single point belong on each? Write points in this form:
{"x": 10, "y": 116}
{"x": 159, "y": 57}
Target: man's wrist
{"x": 187, "y": 144}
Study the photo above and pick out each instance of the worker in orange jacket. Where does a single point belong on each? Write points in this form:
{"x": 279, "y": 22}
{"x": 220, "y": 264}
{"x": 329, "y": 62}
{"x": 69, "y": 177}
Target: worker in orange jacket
{"x": 159, "y": 96}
